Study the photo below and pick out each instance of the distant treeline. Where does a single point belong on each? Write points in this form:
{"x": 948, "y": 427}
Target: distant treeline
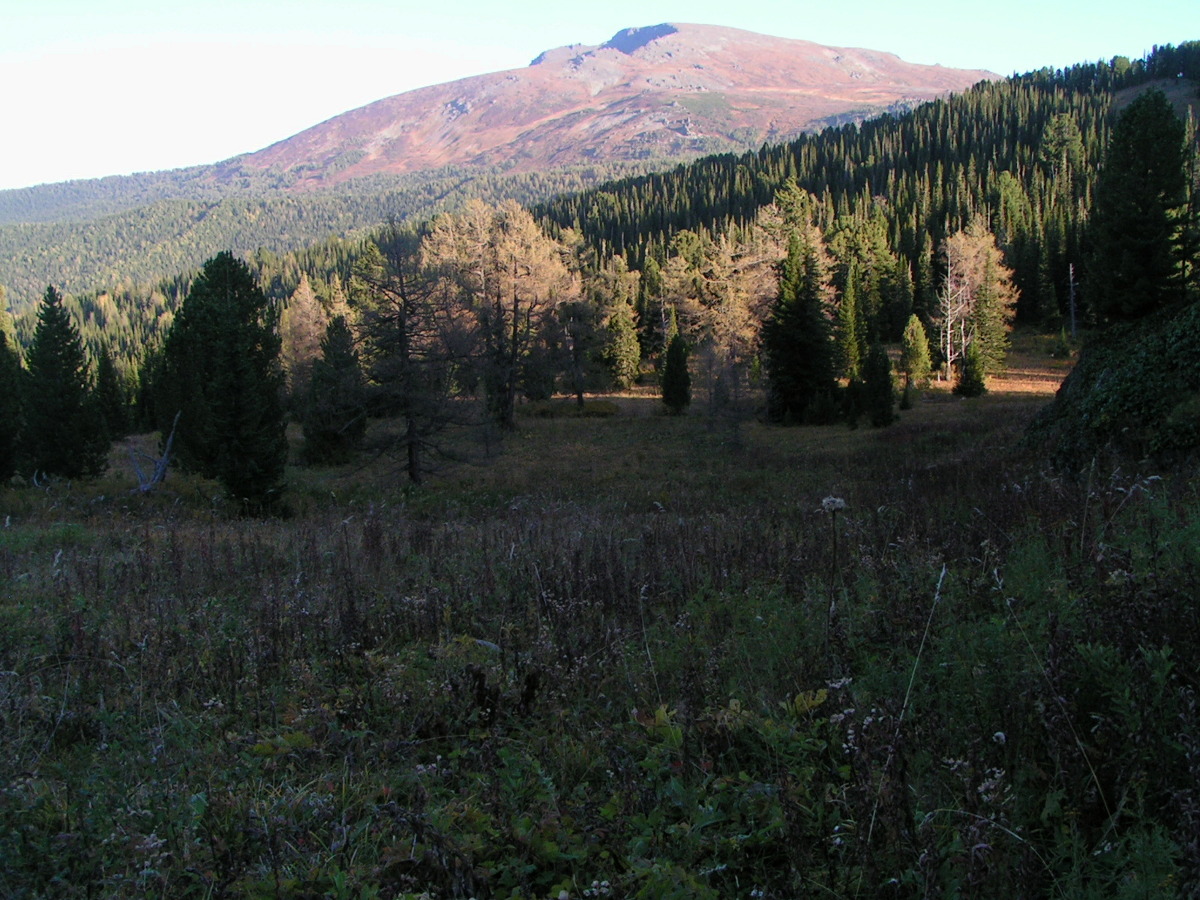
{"x": 89, "y": 235}
{"x": 1020, "y": 154}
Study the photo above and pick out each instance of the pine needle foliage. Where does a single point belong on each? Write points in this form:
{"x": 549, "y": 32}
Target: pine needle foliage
{"x": 63, "y": 431}
{"x": 797, "y": 341}
{"x": 878, "y": 392}
{"x": 914, "y": 353}
{"x": 335, "y": 414}
{"x": 11, "y": 388}
{"x": 221, "y": 369}
{"x": 676, "y": 382}
{"x": 1137, "y": 228}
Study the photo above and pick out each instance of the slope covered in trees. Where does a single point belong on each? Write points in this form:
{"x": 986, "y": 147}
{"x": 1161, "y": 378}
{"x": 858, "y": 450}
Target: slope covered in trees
{"x": 91, "y": 235}
{"x": 1006, "y": 171}
{"x": 1022, "y": 154}
{"x": 1135, "y": 393}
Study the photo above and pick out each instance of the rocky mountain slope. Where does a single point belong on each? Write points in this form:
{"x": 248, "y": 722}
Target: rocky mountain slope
{"x": 574, "y": 117}
{"x": 667, "y": 91}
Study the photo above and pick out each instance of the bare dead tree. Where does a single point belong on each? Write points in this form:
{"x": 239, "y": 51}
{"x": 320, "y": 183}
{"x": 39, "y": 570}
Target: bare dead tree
{"x": 159, "y": 473}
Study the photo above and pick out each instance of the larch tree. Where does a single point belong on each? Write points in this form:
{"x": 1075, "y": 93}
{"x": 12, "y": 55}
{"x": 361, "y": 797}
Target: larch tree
{"x": 63, "y": 431}
{"x": 220, "y": 373}
{"x": 977, "y": 300}
{"x": 412, "y": 338}
{"x": 512, "y": 277}
{"x": 723, "y": 287}
{"x": 302, "y": 325}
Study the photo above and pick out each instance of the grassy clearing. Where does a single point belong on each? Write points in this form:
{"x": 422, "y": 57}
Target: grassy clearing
{"x": 628, "y": 656}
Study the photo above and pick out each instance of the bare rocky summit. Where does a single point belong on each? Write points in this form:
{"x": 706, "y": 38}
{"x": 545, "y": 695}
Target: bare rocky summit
{"x": 670, "y": 90}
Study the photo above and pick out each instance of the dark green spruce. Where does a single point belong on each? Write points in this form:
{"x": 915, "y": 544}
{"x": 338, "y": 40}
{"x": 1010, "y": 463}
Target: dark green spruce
{"x": 11, "y": 389}
{"x": 63, "y": 431}
{"x": 335, "y": 415}
{"x": 797, "y": 342}
{"x": 676, "y": 382}
{"x": 221, "y": 372}
{"x": 1137, "y": 227}
{"x": 878, "y": 392}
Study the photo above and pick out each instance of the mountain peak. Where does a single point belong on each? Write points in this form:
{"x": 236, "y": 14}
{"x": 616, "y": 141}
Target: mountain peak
{"x": 630, "y": 39}
{"x": 664, "y": 91}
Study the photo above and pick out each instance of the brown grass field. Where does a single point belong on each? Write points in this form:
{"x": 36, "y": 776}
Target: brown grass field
{"x": 627, "y": 656}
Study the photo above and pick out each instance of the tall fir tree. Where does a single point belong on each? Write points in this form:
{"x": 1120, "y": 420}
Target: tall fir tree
{"x": 676, "y": 381}
{"x": 335, "y": 415}
{"x": 797, "y": 343}
{"x": 63, "y": 431}
{"x": 623, "y": 352}
{"x": 11, "y": 391}
{"x": 972, "y": 374}
{"x": 220, "y": 369}
{"x": 1137, "y": 227}
{"x": 878, "y": 393}
{"x": 112, "y": 397}
{"x": 849, "y": 328}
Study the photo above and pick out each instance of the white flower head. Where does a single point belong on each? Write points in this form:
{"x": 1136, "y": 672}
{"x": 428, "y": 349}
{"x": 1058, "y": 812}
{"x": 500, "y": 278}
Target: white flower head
{"x": 833, "y": 504}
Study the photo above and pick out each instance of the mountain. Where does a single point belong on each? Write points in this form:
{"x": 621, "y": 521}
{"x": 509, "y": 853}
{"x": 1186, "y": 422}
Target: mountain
{"x": 666, "y": 91}
{"x": 576, "y": 116}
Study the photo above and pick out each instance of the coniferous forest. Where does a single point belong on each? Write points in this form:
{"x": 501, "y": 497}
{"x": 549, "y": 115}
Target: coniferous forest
{"x": 716, "y": 532}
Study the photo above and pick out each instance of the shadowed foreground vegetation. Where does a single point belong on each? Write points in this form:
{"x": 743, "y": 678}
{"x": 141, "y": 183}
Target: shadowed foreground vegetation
{"x": 632, "y": 657}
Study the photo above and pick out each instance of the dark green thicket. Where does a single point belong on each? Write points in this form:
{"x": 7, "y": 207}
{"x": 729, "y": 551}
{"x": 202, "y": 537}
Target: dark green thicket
{"x": 221, "y": 373}
{"x": 972, "y": 374}
{"x": 676, "y": 380}
{"x": 1138, "y": 224}
{"x": 63, "y": 431}
{"x": 335, "y": 415}
{"x": 623, "y": 352}
{"x": 879, "y": 393}
{"x": 112, "y": 397}
{"x": 11, "y": 391}
{"x": 797, "y": 342}
{"x": 1135, "y": 392}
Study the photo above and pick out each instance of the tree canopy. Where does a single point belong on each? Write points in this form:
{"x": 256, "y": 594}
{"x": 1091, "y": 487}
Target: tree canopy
{"x": 1135, "y": 263}
{"x": 221, "y": 371}
{"x": 63, "y": 432}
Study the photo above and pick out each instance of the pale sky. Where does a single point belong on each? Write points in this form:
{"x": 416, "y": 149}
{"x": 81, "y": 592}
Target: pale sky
{"x": 106, "y": 87}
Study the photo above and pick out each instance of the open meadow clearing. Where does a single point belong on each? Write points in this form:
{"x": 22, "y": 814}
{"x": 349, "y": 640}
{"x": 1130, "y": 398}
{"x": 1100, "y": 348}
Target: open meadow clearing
{"x": 627, "y": 656}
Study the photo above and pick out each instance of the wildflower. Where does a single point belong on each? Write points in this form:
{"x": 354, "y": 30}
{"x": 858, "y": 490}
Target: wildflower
{"x": 833, "y": 504}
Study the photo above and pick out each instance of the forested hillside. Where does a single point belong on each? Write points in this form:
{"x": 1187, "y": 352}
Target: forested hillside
{"x": 694, "y": 249}
{"x": 87, "y": 235}
{"x": 1022, "y": 154}
{"x": 573, "y": 117}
